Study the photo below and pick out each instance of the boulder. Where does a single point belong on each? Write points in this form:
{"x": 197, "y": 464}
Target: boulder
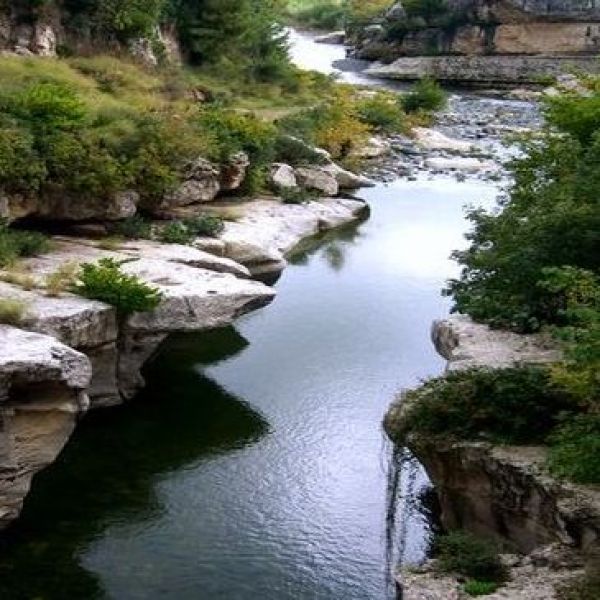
{"x": 431, "y": 139}
{"x": 346, "y": 179}
{"x": 335, "y": 37}
{"x": 396, "y": 13}
{"x": 318, "y": 179}
{"x": 283, "y": 176}
{"x": 202, "y": 184}
{"x": 375, "y": 148}
{"x": 233, "y": 172}
{"x": 42, "y": 390}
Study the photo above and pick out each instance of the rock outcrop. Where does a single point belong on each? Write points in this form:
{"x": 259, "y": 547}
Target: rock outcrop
{"x": 501, "y": 491}
{"x": 71, "y": 353}
{"x": 42, "y": 390}
{"x": 491, "y": 41}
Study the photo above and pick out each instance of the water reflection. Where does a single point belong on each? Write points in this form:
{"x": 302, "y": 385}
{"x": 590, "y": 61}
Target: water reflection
{"x": 110, "y": 473}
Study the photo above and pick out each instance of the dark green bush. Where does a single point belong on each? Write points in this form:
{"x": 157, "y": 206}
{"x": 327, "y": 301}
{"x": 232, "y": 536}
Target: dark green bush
{"x": 15, "y": 244}
{"x": 294, "y": 195}
{"x": 175, "y": 232}
{"x": 381, "y": 113}
{"x": 517, "y": 405}
{"x": 575, "y": 449}
{"x": 105, "y": 281}
{"x": 204, "y": 225}
{"x": 427, "y": 95}
{"x": 295, "y": 152}
{"x": 462, "y": 553}
{"x": 134, "y": 228}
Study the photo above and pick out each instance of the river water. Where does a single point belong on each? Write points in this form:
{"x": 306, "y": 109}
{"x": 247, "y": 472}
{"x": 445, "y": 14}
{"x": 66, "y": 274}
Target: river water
{"x": 254, "y": 466}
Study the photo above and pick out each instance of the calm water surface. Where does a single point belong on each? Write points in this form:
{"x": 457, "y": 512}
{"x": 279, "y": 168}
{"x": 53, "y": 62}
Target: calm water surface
{"x": 254, "y": 465}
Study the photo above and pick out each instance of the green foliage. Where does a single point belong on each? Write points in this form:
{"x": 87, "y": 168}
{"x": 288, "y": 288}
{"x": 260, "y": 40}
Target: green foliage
{"x": 205, "y": 225}
{"x": 383, "y": 113}
{"x": 462, "y": 553}
{"x": 134, "y": 228}
{"x": 328, "y": 15}
{"x": 427, "y": 95}
{"x": 15, "y": 244}
{"x": 518, "y": 405}
{"x": 549, "y": 220}
{"x": 575, "y": 449}
{"x": 295, "y": 152}
{"x": 236, "y": 132}
{"x": 175, "y": 232}
{"x": 11, "y": 311}
{"x": 294, "y": 195}
{"x": 105, "y": 281}
{"x": 480, "y": 588}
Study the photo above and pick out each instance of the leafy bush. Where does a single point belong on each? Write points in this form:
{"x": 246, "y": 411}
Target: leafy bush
{"x": 383, "y": 113}
{"x": 462, "y": 553}
{"x": 105, "y": 281}
{"x": 294, "y": 195}
{"x": 575, "y": 449}
{"x": 329, "y": 15}
{"x": 296, "y": 152}
{"x": 175, "y": 232}
{"x": 15, "y": 244}
{"x": 512, "y": 405}
{"x": 11, "y": 311}
{"x": 549, "y": 220}
{"x": 205, "y": 225}
{"x": 134, "y": 228}
{"x": 426, "y": 95}
{"x": 480, "y": 588}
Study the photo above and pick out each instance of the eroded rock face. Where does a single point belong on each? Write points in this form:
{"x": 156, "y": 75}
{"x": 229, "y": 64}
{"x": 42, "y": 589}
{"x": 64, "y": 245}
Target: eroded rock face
{"x": 42, "y": 391}
{"x": 233, "y": 172}
{"x": 505, "y": 491}
{"x": 315, "y": 178}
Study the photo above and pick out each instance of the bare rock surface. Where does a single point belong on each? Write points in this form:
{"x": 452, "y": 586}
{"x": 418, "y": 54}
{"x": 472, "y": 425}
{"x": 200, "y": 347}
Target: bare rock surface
{"x": 467, "y": 344}
{"x": 42, "y": 390}
{"x": 269, "y": 230}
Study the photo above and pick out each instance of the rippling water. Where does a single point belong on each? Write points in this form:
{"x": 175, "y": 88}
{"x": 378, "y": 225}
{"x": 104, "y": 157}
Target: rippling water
{"x": 254, "y": 465}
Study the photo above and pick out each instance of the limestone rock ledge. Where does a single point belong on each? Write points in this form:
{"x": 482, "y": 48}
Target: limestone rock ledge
{"x": 501, "y": 491}
{"x": 42, "y": 391}
{"x": 71, "y": 353}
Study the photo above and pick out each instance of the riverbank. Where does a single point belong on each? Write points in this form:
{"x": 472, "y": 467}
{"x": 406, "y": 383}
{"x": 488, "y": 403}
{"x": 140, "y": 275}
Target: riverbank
{"x": 501, "y": 491}
{"x": 101, "y": 355}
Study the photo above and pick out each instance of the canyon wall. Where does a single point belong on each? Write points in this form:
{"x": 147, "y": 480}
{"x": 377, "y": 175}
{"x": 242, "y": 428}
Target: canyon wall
{"x": 540, "y": 38}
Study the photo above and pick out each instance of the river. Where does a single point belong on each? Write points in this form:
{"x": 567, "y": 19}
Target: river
{"x": 254, "y": 466}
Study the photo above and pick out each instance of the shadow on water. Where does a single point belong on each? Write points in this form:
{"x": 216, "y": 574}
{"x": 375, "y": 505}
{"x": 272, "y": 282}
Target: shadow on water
{"x": 111, "y": 468}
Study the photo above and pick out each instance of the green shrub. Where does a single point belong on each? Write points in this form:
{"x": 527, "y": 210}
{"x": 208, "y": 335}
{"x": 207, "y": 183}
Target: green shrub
{"x": 105, "y": 281}
{"x": 295, "y": 152}
{"x": 175, "y": 232}
{"x": 15, "y": 244}
{"x": 575, "y": 449}
{"x": 427, "y": 95}
{"x": 517, "y": 405}
{"x": 134, "y": 228}
{"x": 294, "y": 195}
{"x": 204, "y": 225}
{"x": 11, "y": 311}
{"x": 382, "y": 113}
{"x": 480, "y": 588}
{"x": 329, "y": 15}
{"x": 462, "y": 553}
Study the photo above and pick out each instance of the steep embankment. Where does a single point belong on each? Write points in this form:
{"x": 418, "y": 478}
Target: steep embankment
{"x": 483, "y": 41}
{"x": 505, "y": 492}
